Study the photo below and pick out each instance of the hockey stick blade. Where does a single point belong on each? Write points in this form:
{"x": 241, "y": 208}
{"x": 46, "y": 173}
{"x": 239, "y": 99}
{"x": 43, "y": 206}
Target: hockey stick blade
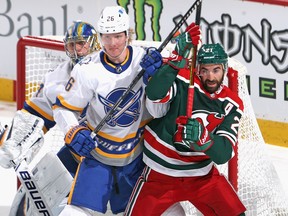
{"x": 141, "y": 73}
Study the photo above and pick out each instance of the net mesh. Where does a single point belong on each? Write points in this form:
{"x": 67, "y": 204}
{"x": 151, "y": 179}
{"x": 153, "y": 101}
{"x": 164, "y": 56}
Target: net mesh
{"x": 259, "y": 186}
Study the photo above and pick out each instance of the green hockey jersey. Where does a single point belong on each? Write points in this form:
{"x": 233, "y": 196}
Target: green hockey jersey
{"x": 220, "y": 112}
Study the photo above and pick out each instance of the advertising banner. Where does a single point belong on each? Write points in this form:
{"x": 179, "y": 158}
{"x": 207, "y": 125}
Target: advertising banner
{"x": 254, "y": 33}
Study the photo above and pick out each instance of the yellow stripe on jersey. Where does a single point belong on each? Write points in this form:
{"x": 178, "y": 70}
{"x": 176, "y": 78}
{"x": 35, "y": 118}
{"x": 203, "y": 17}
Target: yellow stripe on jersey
{"x": 119, "y": 156}
{"x": 73, "y": 185}
{"x": 39, "y": 110}
{"x": 119, "y": 139}
{"x": 67, "y": 105}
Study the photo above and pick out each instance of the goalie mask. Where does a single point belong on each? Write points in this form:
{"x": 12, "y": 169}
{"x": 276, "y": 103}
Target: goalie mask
{"x": 213, "y": 54}
{"x": 80, "y": 40}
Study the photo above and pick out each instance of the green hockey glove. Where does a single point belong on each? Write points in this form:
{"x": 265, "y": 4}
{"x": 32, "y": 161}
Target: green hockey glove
{"x": 194, "y": 134}
{"x": 186, "y": 40}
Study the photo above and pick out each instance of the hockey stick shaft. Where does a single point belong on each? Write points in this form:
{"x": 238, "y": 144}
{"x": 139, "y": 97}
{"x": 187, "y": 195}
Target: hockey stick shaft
{"x": 190, "y": 96}
{"x": 141, "y": 73}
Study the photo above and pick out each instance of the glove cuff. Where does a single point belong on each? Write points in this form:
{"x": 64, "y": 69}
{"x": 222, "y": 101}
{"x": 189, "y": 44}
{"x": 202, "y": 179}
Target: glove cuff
{"x": 72, "y": 132}
{"x": 206, "y": 144}
{"x": 179, "y": 63}
{"x": 201, "y": 148}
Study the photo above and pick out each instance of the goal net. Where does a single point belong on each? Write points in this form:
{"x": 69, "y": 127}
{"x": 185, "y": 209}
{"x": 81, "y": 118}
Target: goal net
{"x": 250, "y": 172}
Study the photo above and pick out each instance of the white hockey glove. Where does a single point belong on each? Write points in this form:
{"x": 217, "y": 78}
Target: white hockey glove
{"x": 22, "y": 141}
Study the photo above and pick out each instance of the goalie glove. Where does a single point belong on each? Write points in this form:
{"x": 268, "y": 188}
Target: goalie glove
{"x": 24, "y": 140}
{"x": 151, "y": 61}
{"x": 79, "y": 140}
{"x": 185, "y": 42}
{"x": 193, "y": 134}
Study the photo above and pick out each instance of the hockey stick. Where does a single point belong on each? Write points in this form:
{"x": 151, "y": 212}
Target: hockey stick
{"x": 141, "y": 73}
{"x": 190, "y": 96}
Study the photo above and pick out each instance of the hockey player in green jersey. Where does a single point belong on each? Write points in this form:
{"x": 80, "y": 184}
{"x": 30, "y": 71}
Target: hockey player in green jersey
{"x": 180, "y": 151}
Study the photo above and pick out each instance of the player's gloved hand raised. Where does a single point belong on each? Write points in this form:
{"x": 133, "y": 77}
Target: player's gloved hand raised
{"x": 185, "y": 41}
{"x": 151, "y": 61}
{"x": 188, "y": 39}
{"x": 79, "y": 140}
{"x": 194, "y": 134}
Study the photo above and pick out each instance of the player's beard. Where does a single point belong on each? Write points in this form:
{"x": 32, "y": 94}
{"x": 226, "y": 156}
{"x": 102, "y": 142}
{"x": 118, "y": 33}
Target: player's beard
{"x": 216, "y": 84}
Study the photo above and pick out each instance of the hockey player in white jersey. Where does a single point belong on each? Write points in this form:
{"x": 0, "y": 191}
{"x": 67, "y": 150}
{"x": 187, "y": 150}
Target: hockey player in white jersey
{"x": 118, "y": 145}
{"x": 80, "y": 40}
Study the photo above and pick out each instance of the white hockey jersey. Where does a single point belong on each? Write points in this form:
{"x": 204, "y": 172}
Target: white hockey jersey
{"x": 41, "y": 102}
{"x": 101, "y": 83}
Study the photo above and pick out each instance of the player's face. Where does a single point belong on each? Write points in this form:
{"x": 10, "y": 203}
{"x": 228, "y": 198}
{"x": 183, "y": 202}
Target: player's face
{"x": 80, "y": 47}
{"x": 114, "y": 44}
{"x": 211, "y": 76}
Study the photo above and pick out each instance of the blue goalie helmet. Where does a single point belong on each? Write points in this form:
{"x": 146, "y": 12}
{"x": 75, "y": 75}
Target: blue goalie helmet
{"x": 78, "y": 36}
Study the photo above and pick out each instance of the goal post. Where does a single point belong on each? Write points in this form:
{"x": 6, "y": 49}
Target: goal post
{"x": 233, "y": 163}
{"x": 250, "y": 171}
{"x": 52, "y": 44}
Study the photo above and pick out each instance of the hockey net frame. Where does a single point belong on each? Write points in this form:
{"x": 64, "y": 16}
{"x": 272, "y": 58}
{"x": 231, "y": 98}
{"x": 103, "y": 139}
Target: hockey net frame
{"x": 250, "y": 171}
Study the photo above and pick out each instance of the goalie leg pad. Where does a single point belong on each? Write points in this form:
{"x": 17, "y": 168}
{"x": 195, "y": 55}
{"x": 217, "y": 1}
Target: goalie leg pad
{"x": 51, "y": 184}
{"x": 18, "y": 202}
{"x": 53, "y": 180}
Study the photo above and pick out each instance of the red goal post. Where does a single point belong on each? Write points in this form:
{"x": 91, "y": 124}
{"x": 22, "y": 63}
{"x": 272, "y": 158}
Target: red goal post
{"x": 250, "y": 171}
{"x": 23, "y": 43}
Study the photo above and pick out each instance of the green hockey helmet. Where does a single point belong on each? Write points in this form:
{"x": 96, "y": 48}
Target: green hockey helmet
{"x": 212, "y": 54}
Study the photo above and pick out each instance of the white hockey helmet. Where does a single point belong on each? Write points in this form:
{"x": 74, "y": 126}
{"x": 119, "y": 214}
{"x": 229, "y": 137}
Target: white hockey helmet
{"x": 113, "y": 19}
